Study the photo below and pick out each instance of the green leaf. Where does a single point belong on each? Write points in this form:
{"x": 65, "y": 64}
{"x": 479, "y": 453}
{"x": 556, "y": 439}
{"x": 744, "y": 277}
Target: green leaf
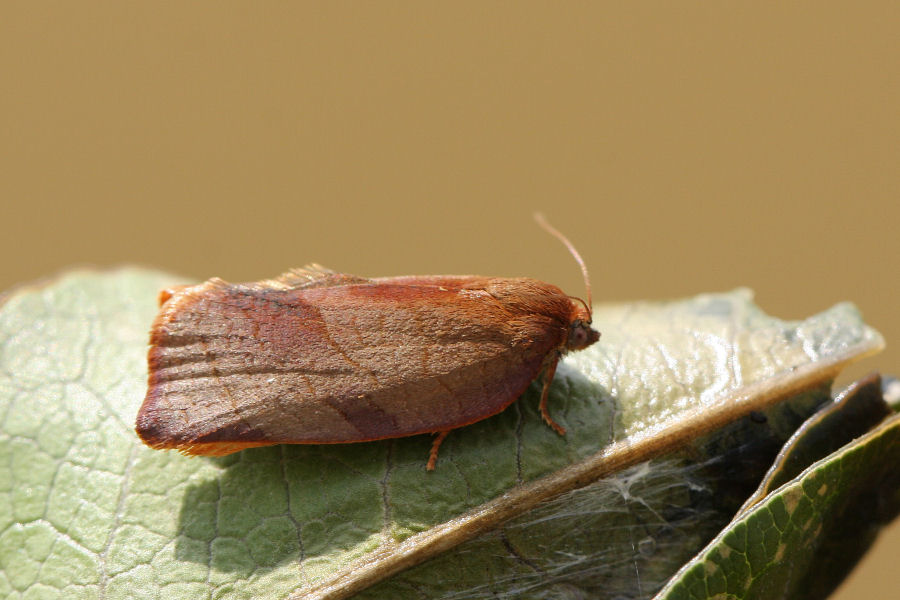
{"x": 797, "y": 537}
{"x": 87, "y": 511}
{"x": 620, "y": 537}
{"x": 854, "y": 413}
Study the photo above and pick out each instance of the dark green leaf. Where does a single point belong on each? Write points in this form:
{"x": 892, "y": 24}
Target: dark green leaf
{"x": 799, "y": 539}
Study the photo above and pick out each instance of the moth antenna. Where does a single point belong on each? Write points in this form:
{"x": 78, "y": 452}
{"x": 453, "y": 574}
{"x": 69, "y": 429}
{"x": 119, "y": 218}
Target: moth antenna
{"x": 583, "y": 303}
{"x": 587, "y": 280}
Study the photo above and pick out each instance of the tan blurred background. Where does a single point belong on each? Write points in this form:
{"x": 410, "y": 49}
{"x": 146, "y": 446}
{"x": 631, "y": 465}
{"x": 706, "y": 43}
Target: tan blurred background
{"x": 684, "y": 147}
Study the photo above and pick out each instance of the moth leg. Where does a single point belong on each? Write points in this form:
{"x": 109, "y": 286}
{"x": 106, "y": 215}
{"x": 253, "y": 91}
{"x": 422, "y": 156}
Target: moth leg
{"x": 432, "y": 457}
{"x": 549, "y": 372}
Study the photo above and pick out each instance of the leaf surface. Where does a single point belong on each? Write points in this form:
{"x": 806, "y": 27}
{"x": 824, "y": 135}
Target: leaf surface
{"x": 87, "y": 511}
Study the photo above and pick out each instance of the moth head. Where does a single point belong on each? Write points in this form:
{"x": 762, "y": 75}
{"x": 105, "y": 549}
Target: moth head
{"x": 581, "y": 334}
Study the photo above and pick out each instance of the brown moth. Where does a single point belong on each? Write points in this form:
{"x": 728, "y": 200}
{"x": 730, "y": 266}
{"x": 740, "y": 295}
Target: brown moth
{"x": 320, "y": 357}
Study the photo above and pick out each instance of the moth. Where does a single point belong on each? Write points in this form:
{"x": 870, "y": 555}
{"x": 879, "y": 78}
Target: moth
{"x": 320, "y": 357}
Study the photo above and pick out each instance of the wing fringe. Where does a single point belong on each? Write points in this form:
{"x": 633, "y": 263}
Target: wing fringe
{"x": 312, "y": 275}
